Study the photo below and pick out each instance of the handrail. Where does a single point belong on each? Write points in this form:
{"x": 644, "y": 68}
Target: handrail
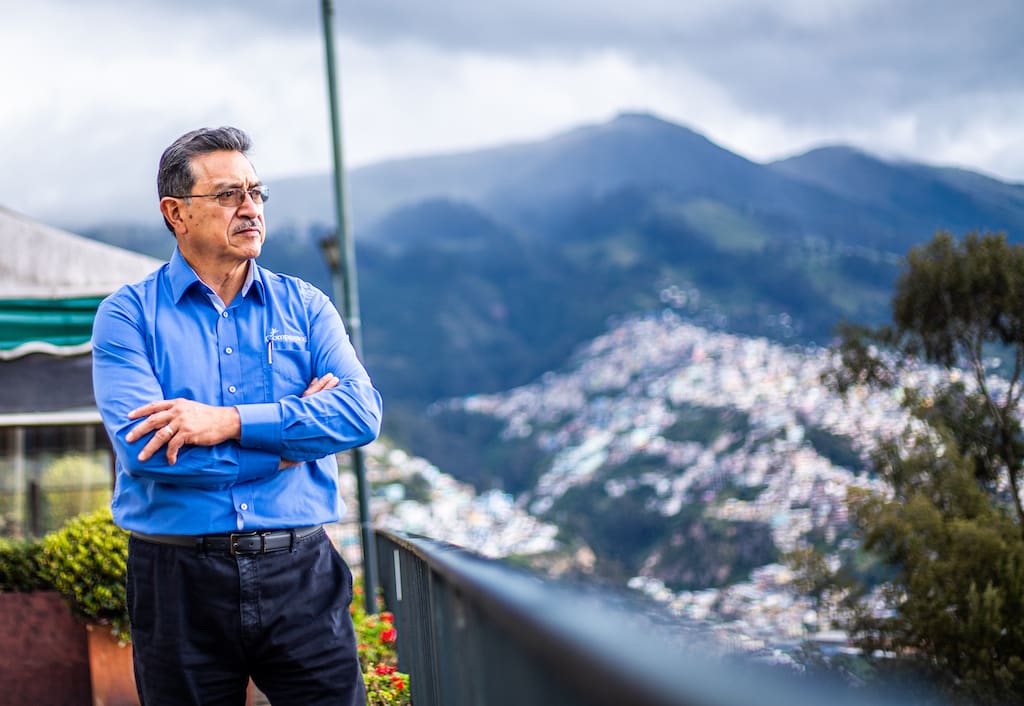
{"x": 478, "y": 632}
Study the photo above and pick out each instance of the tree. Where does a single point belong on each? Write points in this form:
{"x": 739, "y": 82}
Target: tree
{"x": 955, "y": 304}
{"x": 953, "y": 528}
{"x": 957, "y": 599}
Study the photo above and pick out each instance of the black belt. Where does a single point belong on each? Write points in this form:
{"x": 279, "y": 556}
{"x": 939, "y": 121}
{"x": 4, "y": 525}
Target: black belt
{"x": 258, "y": 542}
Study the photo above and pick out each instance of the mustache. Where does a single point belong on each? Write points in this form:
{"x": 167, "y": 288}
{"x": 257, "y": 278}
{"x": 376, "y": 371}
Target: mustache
{"x": 247, "y": 225}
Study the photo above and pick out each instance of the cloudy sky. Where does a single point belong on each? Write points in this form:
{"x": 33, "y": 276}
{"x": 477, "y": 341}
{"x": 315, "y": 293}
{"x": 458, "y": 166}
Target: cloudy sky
{"x": 92, "y": 90}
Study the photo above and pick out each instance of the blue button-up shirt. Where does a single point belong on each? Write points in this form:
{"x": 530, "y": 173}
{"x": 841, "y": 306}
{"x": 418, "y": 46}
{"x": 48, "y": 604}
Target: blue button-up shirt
{"x": 169, "y": 336}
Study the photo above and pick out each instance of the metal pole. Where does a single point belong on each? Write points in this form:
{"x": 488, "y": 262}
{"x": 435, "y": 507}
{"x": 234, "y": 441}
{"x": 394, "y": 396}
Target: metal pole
{"x": 349, "y": 303}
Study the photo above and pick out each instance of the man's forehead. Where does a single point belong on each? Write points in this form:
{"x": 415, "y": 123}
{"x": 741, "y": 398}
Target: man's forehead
{"x": 223, "y": 166}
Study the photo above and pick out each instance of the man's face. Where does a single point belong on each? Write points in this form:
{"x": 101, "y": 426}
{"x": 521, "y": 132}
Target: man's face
{"x": 215, "y": 233}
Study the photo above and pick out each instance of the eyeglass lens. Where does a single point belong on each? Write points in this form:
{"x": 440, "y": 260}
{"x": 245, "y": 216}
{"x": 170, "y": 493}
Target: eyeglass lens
{"x": 235, "y": 197}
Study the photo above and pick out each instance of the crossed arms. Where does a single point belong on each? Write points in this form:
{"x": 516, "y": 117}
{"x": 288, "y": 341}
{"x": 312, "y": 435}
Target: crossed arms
{"x": 187, "y": 442}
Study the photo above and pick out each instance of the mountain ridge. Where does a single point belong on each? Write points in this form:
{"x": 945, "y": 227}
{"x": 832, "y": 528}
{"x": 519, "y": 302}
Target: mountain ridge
{"x": 492, "y": 178}
{"x": 526, "y": 250}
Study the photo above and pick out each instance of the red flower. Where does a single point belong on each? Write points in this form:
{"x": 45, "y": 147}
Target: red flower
{"x": 389, "y": 635}
{"x": 384, "y": 669}
{"x": 398, "y": 682}
{"x": 387, "y": 616}
{"x": 361, "y": 647}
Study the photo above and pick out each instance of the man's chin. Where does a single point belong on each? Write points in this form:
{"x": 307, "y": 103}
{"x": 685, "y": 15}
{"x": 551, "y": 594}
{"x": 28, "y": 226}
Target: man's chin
{"x": 251, "y": 247}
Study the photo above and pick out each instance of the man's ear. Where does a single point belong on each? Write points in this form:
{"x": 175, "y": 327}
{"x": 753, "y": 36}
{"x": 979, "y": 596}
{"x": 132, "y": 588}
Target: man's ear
{"x": 173, "y": 211}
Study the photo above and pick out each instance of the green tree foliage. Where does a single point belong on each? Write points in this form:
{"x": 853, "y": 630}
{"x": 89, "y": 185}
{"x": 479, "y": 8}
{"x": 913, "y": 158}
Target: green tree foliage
{"x": 952, "y": 528}
{"x": 956, "y": 303}
{"x": 958, "y": 593}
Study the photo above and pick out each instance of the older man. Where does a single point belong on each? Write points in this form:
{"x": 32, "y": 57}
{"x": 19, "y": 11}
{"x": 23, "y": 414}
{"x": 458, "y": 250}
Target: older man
{"x": 227, "y": 390}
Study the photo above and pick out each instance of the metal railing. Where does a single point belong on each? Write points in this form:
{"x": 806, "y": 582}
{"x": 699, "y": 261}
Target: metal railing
{"x": 479, "y": 632}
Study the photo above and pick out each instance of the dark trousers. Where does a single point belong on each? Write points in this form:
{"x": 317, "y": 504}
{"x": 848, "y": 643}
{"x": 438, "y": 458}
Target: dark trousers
{"x": 203, "y": 623}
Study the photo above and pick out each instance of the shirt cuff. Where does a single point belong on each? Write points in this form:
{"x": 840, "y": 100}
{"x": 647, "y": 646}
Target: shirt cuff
{"x": 261, "y": 426}
{"x": 253, "y": 464}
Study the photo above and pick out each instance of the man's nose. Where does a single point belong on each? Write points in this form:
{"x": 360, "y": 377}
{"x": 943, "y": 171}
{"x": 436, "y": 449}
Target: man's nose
{"x": 249, "y": 205}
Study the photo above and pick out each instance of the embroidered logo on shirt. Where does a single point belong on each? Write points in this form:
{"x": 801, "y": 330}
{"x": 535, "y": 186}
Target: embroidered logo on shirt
{"x": 276, "y": 337}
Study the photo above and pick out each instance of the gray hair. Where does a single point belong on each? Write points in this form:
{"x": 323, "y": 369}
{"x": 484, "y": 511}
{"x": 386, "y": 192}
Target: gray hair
{"x": 175, "y": 177}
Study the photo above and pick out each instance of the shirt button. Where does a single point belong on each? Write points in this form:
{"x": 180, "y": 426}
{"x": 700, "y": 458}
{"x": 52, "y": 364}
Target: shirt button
{"x": 229, "y": 350}
{"x": 244, "y": 506}
{"x": 232, "y": 389}
{"x": 224, "y": 314}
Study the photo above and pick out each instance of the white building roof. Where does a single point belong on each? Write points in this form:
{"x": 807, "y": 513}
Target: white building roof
{"x": 38, "y": 261}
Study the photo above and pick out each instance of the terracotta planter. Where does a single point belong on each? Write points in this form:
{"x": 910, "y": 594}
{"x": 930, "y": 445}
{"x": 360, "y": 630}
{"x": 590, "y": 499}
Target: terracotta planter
{"x": 49, "y": 658}
{"x": 113, "y": 675}
{"x": 110, "y": 669}
{"x": 45, "y": 654}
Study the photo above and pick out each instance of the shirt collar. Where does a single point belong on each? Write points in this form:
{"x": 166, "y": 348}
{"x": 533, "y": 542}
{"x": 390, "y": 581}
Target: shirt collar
{"x": 255, "y": 276}
{"x": 182, "y": 277}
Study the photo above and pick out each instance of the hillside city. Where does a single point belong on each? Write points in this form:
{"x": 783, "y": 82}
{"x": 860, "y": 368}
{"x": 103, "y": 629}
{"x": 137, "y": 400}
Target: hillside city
{"x": 616, "y": 400}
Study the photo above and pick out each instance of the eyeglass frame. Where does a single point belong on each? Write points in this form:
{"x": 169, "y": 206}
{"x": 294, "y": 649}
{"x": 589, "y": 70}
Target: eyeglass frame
{"x": 263, "y": 191}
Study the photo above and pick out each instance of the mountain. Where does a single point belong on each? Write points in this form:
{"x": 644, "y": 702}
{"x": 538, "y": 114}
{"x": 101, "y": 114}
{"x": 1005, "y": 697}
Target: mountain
{"x": 914, "y": 197}
{"x": 674, "y": 451}
{"x": 836, "y": 193}
{"x": 481, "y": 271}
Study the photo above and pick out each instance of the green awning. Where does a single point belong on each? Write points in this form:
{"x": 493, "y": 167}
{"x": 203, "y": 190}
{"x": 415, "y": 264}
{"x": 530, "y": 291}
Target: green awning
{"x": 62, "y": 323}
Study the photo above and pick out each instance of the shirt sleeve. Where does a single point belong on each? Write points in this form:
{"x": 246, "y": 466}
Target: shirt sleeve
{"x": 123, "y": 380}
{"x": 307, "y": 428}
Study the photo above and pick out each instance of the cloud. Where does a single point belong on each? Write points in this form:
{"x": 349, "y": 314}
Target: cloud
{"x": 101, "y": 88}
{"x": 104, "y": 91}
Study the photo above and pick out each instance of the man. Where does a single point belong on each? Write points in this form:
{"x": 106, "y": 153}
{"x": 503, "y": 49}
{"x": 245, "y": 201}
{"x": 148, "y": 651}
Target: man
{"x": 226, "y": 390}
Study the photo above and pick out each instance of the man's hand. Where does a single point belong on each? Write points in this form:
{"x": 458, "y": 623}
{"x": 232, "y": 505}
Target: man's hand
{"x": 328, "y": 382}
{"x": 178, "y": 422}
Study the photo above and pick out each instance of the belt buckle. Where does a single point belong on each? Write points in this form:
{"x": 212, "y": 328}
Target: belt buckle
{"x": 235, "y": 536}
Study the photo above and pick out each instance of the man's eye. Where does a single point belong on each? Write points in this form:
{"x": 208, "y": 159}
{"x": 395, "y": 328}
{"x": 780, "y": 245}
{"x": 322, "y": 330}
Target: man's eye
{"x": 228, "y": 195}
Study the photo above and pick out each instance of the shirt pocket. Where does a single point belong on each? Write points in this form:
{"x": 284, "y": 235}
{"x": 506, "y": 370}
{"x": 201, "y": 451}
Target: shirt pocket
{"x": 290, "y": 368}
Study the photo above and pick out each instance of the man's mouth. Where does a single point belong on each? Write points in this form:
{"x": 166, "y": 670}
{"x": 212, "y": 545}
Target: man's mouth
{"x": 248, "y": 228}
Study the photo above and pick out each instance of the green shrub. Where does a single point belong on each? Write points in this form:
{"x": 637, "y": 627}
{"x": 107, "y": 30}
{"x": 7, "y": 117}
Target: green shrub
{"x": 19, "y": 566}
{"x": 86, "y": 562}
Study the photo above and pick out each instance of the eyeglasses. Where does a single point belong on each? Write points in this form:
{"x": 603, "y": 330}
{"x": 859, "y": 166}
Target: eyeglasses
{"x": 233, "y": 198}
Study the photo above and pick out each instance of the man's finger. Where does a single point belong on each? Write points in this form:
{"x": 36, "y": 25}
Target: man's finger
{"x": 148, "y": 409}
{"x": 309, "y": 388}
{"x": 142, "y": 411}
{"x": 142, "y": 429}
{"x": 328, "y": 381}
{"x": 174, "y": 445}
{"x": 161, "y": 437}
